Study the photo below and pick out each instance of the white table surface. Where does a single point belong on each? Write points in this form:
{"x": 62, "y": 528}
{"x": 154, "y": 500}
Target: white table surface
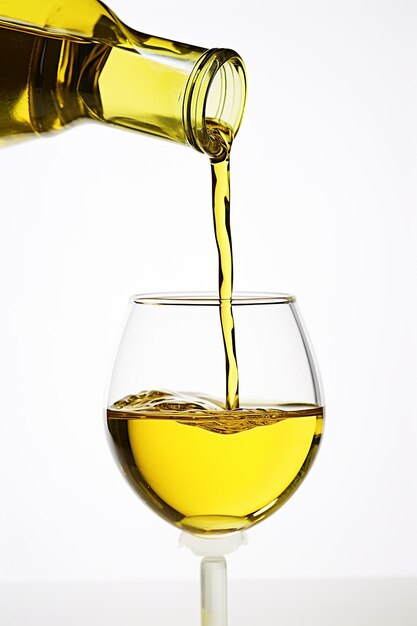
{"x": 352, "y": 602}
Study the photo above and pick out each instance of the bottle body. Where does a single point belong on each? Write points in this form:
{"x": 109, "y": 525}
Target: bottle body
{"x": 82, "y": 62}
{"x": 36, "y": 94}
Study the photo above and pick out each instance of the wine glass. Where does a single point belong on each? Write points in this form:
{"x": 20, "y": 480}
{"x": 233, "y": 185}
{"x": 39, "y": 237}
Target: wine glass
{"x": 211, "y": 471}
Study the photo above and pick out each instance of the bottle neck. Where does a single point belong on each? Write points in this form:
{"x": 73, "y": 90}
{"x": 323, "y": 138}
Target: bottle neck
{"x": 164, "y": 88}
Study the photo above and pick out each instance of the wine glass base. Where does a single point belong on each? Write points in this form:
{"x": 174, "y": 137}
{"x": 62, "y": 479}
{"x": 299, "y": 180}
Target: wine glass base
{"x": 212, "y": 546}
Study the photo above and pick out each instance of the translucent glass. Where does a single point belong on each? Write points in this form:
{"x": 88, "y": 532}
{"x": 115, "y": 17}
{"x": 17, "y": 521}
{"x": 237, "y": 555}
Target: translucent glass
{"x": 212, "y": 471}
{"x": 173, "y": 341}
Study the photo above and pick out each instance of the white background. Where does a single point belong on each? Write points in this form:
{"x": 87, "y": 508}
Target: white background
{"x": 324, "y": 206}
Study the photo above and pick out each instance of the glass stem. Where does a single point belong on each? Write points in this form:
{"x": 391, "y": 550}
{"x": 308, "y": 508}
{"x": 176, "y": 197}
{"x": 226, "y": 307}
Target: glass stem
{"x": 213, "y": 591}
{"x": 213, "y": 572}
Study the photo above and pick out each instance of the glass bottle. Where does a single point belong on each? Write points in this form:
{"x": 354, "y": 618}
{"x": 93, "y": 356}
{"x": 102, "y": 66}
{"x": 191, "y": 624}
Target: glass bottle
{"x": 73, "y": 59}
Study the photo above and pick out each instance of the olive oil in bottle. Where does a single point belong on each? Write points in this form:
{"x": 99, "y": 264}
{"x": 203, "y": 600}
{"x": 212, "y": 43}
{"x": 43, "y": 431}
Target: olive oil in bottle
{"x": 67, "y": 60}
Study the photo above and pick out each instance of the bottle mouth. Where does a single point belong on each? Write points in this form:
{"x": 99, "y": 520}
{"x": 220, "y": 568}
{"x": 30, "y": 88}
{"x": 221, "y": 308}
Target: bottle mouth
{"x": 215, "y": 94}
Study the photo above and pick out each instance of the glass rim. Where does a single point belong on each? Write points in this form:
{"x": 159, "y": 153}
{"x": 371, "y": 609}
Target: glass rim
{"x": 211, "y": 298}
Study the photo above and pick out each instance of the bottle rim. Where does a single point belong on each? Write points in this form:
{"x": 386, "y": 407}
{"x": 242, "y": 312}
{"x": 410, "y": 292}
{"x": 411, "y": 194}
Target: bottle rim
{"x": 208, "y": 298}
{"x": 217, "y": 81}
